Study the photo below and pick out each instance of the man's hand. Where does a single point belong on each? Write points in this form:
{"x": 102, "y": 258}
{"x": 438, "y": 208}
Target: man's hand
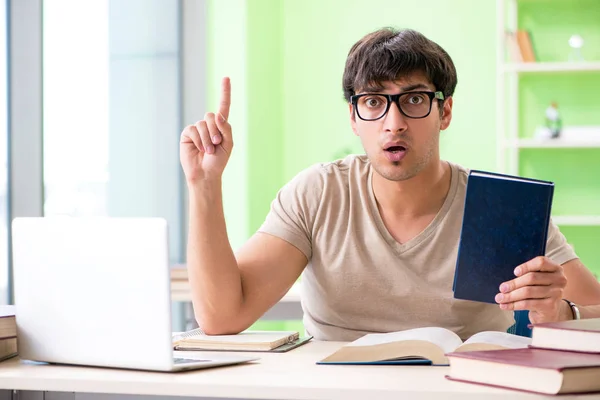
{"x": 538, "y": 288}
{"x": 205, "y": 147}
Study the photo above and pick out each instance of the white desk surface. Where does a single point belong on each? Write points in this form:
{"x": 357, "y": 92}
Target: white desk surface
{"x": 292, "y": 375}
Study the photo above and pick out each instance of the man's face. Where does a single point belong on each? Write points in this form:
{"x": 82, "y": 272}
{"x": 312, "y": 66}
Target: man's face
{"x": 400, "y": 147}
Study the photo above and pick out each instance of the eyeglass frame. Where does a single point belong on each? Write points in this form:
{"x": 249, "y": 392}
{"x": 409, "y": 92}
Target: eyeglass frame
{"x": 394, "y": 98}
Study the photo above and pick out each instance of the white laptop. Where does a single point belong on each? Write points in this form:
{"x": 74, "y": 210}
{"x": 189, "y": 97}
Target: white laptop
{"x": 96, "y": 292}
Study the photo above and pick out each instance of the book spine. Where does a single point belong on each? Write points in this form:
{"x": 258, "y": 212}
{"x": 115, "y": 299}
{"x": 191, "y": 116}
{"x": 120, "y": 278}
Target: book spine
{"x": 548, "y": 214}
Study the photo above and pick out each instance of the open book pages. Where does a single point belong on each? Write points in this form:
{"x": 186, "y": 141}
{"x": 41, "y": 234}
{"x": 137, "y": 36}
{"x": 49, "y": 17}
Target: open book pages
{"x": 430, "y": 343}
{"x": 247, "y": 340}
{"x": 494, "y": 341}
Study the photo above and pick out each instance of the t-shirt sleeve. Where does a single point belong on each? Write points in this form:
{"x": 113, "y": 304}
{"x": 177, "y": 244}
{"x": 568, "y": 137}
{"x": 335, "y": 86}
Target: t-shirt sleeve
{"x": 557, "y": 248}
{"x": 293, "y": 210}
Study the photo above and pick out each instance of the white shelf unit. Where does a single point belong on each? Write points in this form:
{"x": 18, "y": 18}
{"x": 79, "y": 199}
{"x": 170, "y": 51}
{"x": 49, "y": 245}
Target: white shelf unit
{"x": 577, "y": 220}
{"x": 508, "y": 142}
{"x": 553, "y": 144}
{"x": 551, "y": 67}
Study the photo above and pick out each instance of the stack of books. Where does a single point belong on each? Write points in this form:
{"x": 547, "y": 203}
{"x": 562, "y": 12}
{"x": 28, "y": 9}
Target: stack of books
{"x": 8, "y": 332}
{"x": 180, "y": 286}
{"x": 564, "y": 357}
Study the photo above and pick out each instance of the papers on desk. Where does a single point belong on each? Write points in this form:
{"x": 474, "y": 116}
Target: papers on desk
{"x": 273, "y": 341}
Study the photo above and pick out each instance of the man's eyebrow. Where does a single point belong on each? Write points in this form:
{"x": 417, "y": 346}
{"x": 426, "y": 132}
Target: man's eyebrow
{"x": 408, "y": 88}
{"x": 372, "y": 89}
{"x": 414, "y": 87}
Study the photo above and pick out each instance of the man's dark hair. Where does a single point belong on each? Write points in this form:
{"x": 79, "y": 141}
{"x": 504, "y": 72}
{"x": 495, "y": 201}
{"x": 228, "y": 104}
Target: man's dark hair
{"x": 389, "y": 54}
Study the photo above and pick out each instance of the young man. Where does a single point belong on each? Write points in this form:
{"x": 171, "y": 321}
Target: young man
{"x": 375, "y": 235}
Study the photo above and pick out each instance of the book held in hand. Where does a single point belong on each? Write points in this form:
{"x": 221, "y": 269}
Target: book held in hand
{"x": 505, "y": 224}
{"x": 534, "y": 370}
{"x": 419, "y": 346}
{"x": 276, "y": 341}
{"x": 576, "y": 335}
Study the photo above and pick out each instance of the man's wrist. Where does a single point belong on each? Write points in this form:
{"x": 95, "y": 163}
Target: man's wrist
{"x": 202, "y": 186}
{"x": 572, "y": 311}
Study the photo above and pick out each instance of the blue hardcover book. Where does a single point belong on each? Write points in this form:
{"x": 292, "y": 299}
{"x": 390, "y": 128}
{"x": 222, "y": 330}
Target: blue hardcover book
{"x": 505, "y": 224}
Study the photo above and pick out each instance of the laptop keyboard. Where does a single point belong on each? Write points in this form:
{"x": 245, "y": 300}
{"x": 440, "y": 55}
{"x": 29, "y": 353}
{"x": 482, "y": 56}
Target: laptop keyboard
{"x": 187, "y": 360}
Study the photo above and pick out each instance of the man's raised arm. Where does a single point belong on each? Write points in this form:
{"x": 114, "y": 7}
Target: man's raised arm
{"x": 229, "y": 293}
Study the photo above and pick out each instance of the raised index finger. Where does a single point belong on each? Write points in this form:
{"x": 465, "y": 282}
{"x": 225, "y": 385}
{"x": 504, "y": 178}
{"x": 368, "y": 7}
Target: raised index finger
{"x": 225, "y": 98}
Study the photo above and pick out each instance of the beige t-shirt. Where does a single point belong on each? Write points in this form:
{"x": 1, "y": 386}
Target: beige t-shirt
{"x": 359, "y": 279}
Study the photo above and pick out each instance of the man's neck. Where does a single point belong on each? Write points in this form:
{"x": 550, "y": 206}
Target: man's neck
{"x": 421, "y": 195}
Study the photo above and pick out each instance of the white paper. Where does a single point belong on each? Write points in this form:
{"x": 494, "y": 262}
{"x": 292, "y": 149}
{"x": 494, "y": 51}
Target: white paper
{"x": 444, "y": 338}
{"x": 500, "y": 338}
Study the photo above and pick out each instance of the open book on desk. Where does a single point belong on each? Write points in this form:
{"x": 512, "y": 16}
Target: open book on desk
{"x": 272, "y": 341}
{"x": 419, "y": 346}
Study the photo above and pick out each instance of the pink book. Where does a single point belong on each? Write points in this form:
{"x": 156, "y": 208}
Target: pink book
{"x": 533, "y": 370}
{"x": 577, "y": 335}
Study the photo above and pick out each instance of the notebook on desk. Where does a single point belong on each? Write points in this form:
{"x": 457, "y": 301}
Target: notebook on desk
{"x": 271, "y": 341}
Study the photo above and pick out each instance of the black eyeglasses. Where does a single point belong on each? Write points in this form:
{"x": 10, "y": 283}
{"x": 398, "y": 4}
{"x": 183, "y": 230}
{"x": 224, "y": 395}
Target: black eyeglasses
{"x": 373, "y": 106}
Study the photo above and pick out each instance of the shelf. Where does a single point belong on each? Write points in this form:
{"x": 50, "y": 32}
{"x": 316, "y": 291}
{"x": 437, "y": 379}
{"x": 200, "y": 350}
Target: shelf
{"x": 554, "y": 143}
{"x": 577, "y": 220}
{"x": 552, "y": 66}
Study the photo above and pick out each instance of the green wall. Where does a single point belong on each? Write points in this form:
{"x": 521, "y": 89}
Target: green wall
{"x": 227, "y": 56}
{"x": 286, "y": 60}
{"x": 266, "y": 129}
{"x": 318, "y": 35}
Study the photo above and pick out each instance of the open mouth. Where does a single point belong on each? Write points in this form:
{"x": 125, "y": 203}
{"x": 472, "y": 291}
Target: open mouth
{"x": 396, "y": 149}
{"x": 395, "y": 152}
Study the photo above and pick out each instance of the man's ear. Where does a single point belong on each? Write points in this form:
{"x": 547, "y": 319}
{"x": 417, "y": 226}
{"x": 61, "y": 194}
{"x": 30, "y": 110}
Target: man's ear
{"x": 446, "y": 113}
{"x": 352, "y": 118}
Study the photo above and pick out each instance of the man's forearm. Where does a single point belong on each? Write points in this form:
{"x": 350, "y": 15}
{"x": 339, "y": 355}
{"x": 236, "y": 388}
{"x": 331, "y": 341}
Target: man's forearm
{"x": 589, "y": 311}
{"x": 214, "y": 276}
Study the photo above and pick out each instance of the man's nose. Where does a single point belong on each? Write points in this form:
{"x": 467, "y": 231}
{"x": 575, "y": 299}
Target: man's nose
{"x": 394, "y": 121}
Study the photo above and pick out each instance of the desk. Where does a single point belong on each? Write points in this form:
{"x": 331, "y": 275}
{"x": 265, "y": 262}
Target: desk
{"x": 292, "y": 375}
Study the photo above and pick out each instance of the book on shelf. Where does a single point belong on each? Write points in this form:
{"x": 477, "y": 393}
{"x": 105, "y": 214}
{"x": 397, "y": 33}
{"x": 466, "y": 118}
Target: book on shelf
{"x": 427, "y": 345}
{"x": 179, "y": 272}
{"x": 500, "y": 230}
{"x": 274, "y": 341}
{"x": 514, "y": 52}
{"x": 581, "y": 335}
{"x": 525, "y": 44}
{"x": 534, "y": 370}
{"x": 180, "y": 286}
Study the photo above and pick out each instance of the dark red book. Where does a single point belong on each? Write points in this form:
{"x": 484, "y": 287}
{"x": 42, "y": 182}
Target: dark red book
{"x": 533, "y": 370}
{"x": 577, "y": 335}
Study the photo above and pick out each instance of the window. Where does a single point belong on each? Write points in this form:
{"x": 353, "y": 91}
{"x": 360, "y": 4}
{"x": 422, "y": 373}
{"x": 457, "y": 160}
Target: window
{"x": 111, "y": 101}
{"x": 4, "y": 224}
